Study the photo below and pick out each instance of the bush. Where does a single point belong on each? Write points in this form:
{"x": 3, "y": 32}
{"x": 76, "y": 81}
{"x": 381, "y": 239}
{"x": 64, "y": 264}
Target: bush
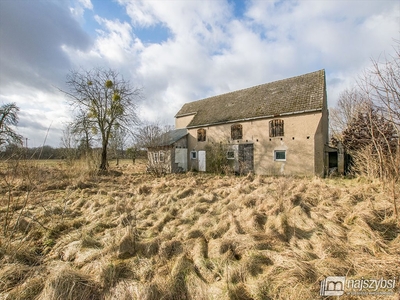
{"x": 217, "y": 162}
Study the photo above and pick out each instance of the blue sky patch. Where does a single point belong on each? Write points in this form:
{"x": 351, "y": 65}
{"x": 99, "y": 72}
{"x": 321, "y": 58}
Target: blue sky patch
{"x": 109, "y": 10}
{"x": 239, "y": 8}
{"x": 153, "y": 34}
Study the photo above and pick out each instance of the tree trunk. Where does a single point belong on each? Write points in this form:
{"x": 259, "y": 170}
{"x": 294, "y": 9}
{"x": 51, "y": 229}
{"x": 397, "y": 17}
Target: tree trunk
{"x": 103, "y": 165}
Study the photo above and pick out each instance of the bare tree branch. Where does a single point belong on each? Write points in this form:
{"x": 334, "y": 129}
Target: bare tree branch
{"x": 9, "y": 118}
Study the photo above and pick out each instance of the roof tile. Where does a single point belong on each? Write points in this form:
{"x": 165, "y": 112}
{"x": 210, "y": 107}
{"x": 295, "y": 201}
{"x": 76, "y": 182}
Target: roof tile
{"x": 292, "y": 95}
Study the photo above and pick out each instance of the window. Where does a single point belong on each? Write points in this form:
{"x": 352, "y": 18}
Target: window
{"x": 236, "y": 132}
{"x": 193, "y": 155}
{"x": 155, "y": 157}
{"x": 280, "y": 155}
{"x": 230, "y": 155}
{"x": 201, "y": 135}
{"x": 161, "y": 156}
{"x": 276, "y": 128}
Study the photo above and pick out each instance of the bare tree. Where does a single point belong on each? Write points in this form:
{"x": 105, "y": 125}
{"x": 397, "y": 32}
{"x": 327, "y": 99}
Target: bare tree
{"x": 351, "y": 102}
{"x": 84, "y": 130}
{"x": 118, "y": 139}
{"x": 150, "y": 135}
{"x": 69, "y": 143}
{"x": 382, "y": 83}
{"x": 9, "y": 118}
{"x": 101, "y": 99}
{"x": 367, "y": 121}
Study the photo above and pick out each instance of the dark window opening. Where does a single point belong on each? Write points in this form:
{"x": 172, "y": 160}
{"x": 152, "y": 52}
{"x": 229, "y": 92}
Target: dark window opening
{"x": 276, "y": 128}
{"x": 201, "y": 135}
{"x": 236, "y": 132}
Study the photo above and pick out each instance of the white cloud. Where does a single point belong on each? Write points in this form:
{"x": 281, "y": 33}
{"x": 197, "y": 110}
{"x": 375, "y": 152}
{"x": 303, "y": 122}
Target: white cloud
{"x": 42, "y": 114}
{"x": 115, "y": 42}
{"x": 140, "y": 12}
{"x": 78, "y": 9}
{"x": 208, "y": 51}
{"x": 86, "y": 4}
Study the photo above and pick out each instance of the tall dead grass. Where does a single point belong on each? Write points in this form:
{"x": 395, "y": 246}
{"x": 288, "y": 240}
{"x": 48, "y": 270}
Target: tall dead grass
{"x": 196, "y": 236}
{"x": 67, "y": 283}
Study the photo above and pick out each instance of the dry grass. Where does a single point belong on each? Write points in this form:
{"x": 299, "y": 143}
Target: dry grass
{"x": 129, "y": 235}
{"x": 67, "y": 283}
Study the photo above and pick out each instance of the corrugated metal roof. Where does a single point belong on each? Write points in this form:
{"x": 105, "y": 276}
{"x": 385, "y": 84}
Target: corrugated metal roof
{"x": 292, "y": 95}
{"x": 172, "y": 136}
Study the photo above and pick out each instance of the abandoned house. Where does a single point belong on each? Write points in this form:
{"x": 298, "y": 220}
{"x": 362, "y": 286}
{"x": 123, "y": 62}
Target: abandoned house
{"x": 277, "y": 128}
{"x": 169, "y": 154}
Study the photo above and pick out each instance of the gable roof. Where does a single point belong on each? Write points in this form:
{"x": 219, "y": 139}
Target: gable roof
{"x": 172, "y": 136}
{"x": 298, "y": 94}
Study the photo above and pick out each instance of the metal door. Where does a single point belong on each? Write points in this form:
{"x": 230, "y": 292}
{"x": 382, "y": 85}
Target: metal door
{"x": 202, "y": 160}
{"x": 246, "y": 158}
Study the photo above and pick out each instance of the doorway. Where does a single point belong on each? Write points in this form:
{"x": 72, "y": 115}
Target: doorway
{"x": 246, "y": 158}
{"x": 202, "y": 161}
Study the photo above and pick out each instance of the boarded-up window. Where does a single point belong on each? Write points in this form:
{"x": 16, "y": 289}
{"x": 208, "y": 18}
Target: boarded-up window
{"x": 236, "y": 132}
{"x": 201, "y": 135}
{"x": 276, "y": 128}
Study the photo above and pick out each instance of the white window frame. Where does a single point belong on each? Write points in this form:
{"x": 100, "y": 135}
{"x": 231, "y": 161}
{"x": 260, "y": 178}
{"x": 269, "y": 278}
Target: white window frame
{"x": 193, "y": 154}
{"x": 228, "y": 156}
{"x": 279, "y": 151}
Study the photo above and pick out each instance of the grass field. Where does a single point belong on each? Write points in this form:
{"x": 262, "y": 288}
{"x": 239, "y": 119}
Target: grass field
{"x": 70, "y": 233}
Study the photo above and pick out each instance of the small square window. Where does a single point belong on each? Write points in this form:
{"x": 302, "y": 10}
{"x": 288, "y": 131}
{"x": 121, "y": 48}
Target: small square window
{"x": 193, "y": 155}
{"x": 280, "y": 155}
{"x": 230, "y": 155}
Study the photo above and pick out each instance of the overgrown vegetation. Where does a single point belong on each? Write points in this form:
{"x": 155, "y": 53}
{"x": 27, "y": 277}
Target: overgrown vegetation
{"x": 367, "y": 123}
{"x": 367, "y": 120}
{"x": 217, "y": 161}
{"x": 68, "y": 233}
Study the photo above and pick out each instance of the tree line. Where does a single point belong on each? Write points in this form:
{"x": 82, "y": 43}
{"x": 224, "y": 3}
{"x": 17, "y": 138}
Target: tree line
{"x": 47, "y": 152}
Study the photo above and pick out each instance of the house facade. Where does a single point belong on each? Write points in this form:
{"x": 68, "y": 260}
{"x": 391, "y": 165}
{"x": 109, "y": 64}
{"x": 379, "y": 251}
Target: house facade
{"x": 277, "y": 128}
{"x": 170, "y": 153}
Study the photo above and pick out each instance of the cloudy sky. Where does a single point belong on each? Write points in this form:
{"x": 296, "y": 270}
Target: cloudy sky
{"x": 181, "y": 50}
